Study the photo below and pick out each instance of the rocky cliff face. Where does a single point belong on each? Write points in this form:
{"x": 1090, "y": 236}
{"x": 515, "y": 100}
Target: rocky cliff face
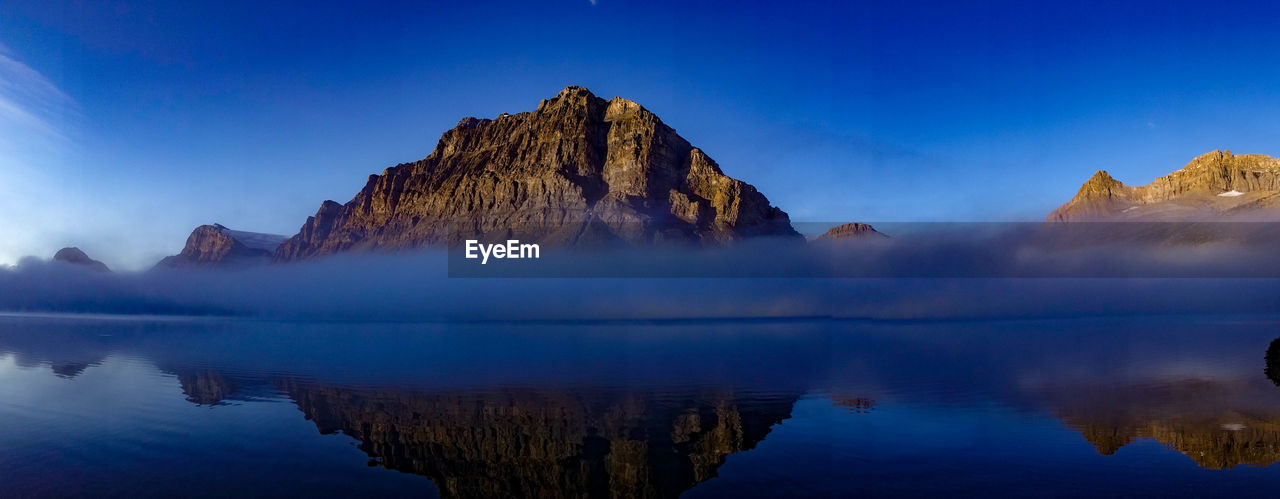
{"x": 218, "y": 246}
{"x": 1214, "y": 185}
{"x": 76, "y": 257}
{"x": 577, "y": 170}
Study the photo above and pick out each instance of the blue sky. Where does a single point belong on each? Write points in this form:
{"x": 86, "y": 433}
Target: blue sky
{"x": 125, "y": 124}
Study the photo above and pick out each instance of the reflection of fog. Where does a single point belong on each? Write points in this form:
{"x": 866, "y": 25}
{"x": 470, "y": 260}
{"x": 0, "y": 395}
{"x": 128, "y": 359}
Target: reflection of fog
{"x": 650, "y": 410}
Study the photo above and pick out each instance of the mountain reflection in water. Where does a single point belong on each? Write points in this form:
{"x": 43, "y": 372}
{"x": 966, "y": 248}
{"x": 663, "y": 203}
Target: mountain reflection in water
{"x": 531, "y": 442}
{"x": 644, "y": 410}
{"x": 547, "y": 444}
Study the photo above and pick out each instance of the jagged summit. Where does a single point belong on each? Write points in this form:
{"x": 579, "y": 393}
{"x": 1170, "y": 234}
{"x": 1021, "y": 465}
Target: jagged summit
{"x": 1213, "y": 185}
{"x": 1101, "y": 181}
{"x": 576, "y": 170}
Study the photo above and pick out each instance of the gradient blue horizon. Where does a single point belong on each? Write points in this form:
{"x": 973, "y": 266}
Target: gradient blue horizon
{"x": 124, "y": 125}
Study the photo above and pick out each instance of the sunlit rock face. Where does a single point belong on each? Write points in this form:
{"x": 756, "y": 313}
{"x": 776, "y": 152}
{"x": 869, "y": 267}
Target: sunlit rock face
{"x": 1216, "y": 185}
{"x": 217, "y": 246}
{"x": 577, "y": 170}
{"x": 546, "y": 443}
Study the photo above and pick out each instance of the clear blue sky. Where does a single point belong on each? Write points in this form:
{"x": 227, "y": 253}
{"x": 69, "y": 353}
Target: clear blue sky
{"x": 125, "y": 124}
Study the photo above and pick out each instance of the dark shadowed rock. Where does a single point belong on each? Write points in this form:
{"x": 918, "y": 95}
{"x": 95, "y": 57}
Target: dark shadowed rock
{"x": 218, "y": 246}
{"x": 578, "y": 170}
{"x": 1272, "y": 369}
{"x": 76, "y": 257}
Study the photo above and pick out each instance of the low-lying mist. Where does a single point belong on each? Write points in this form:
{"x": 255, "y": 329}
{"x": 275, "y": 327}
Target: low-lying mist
{"x": 952, "y": 271}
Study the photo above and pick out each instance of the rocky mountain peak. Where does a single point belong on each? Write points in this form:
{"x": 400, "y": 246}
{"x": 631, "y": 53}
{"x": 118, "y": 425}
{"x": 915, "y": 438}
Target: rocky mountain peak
{"x": 216, "y": 246}
{"x": 1215, "y": 184}
{"x": 1216, "y": 155}
{"x": 75, "y": 256}
{"x": 576, "y": 170}
{"x": 852, "y": 230}
{"x": 572, "y": 97}
{"x": 1101, "y": 186}
{"x": 620, "y": 108}
{"x": 1100, "y": 195}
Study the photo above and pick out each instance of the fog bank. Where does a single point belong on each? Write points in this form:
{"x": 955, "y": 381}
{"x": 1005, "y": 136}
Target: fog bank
{"x": 415, "y": 287}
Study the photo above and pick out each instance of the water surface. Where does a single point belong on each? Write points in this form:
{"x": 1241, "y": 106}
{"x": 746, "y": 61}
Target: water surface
{"x": 1167, "y": 406}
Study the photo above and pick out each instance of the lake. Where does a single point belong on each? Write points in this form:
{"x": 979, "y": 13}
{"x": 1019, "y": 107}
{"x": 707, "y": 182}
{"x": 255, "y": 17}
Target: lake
{"x": 1112, "y": 406}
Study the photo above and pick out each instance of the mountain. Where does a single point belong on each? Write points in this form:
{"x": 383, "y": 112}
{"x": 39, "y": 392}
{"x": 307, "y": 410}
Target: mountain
{"x": 578, "y": 170}
{"x": 76, "y": 257}
{"x": 1217, "y": 185}
{"x": 849, "y": 231}
{"x": 218, "y": 246}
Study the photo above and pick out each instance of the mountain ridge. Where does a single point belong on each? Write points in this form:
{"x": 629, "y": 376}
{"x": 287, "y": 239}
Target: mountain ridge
{"x": 1213, "y": 185}
{"x": 217, "y": 246}
{"x": 578, "y": 169}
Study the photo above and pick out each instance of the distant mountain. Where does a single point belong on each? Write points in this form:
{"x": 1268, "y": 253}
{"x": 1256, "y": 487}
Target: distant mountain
{"x": 217, "y": 246}
{"x": 1215, "y": 186}
{"x": 850, "y": 231}
{"x": 577, "y": 170}
{"x": 76, "y": 257}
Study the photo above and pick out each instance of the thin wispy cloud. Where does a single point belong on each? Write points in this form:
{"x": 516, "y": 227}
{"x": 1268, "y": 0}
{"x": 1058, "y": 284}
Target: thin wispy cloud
{"x": 35, "y": 117}
{"x": 29, "y": 102}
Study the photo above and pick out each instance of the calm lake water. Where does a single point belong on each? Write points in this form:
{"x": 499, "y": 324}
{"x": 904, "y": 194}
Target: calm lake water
{"x": 1171, "y": 406}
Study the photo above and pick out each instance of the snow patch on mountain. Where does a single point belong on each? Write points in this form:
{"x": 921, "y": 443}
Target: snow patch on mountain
{"x": 254, "y": 240}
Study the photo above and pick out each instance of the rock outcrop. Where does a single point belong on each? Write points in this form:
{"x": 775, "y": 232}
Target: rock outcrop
{"x": 76, "y": 257}
{"x": 1213, "y": 186}
{"x": 850, "y": 231}
{"x": 218, "y": 246}
{"x": 578, "y": 170}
